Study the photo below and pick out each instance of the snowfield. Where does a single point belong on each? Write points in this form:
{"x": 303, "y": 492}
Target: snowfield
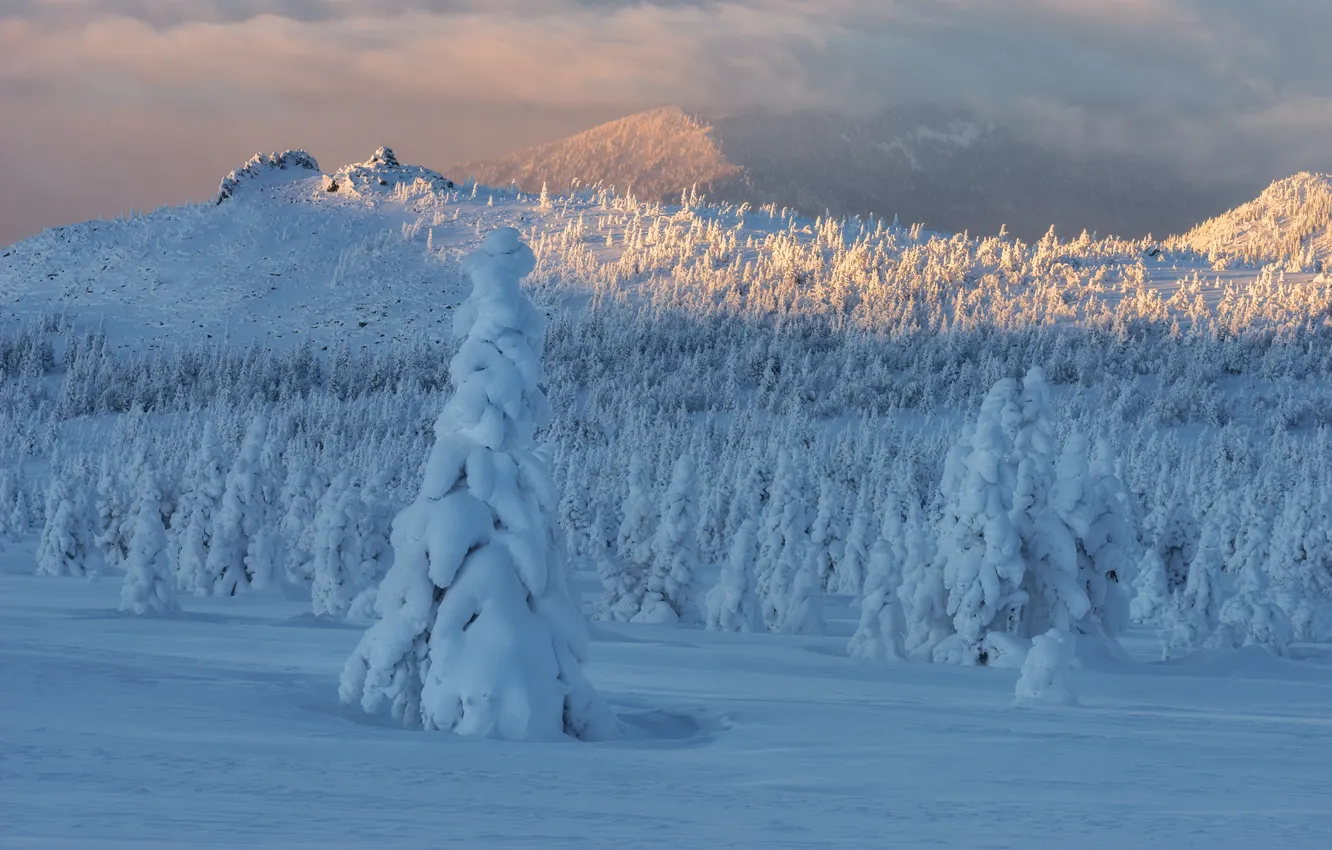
{"x": 220, "y": 727}
{"x": 362, "y": 508}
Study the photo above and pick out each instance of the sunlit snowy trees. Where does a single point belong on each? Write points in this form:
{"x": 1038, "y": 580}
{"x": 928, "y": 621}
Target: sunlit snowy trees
{"x": 477, "y": 632}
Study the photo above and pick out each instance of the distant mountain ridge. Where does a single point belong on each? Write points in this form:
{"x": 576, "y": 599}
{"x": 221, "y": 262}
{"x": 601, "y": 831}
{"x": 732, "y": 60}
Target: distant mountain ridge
{"x": 655, "y": 154}
{"x": 946, "y": 169}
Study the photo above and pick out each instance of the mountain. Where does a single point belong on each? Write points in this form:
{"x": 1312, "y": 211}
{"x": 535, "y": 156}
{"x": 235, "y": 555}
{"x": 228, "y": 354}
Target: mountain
{"x": 655, "y": 154}
{"x": 946, "y": 169}
{"x": 1289, "y": 223}
{"x": 285, "y": 254}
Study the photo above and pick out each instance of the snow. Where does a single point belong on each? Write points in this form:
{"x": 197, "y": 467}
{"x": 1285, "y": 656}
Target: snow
{"x": 221, "y": 728}
{"x": 802, "y": 378}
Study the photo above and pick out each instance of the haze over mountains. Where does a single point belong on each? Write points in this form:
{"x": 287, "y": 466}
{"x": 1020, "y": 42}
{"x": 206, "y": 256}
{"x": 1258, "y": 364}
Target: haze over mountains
{"x": 946, "y": 169}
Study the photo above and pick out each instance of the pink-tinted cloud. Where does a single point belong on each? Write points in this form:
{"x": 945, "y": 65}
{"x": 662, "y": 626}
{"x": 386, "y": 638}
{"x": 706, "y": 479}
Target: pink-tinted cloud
{"x": 202, "y": 83}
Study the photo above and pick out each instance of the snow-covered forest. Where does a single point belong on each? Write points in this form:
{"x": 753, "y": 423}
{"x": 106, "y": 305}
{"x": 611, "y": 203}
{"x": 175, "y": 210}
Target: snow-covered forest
{"x": 991, "y": 453}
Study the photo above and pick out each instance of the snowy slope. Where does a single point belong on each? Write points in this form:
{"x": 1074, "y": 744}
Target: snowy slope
{"x": 368, "y": 253}
{"x": 1289, "y": 223}
{"x": 286, "y": 254}
{"x": 221, "y": 728}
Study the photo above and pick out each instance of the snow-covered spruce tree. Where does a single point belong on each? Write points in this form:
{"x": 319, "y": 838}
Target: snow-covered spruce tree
{"x": 1195, "y": 611}
{"x": 477, "y": 632}
{"x": 923, "y": 595}
{"x": 733, "y": 603}
{"x": 980, "y": 552}
{"x": 232, "y": 565}
{"x": 820, "y": 530}
{"x": 150, "y": 584}
{"x": 783, "y": 541}
{"x": 1055, "y": 597}
{"x": 66, "y": 545}
{"x": 851, "y": 567}
{"x": 803, "y": 610}
{"x": 1151, "y": 591}
{"x": 626, "y": 582}
{"x": 1042, "y": 679}
{"x": 1251, "y": 618}
{"x": 13, "y": 514}
{"x": 1084, "y": 539}
{"x": 668, "y": 593}
{"x": 192, "y": 526}
{"x": 621, "y": 586}
{"x": 1300, "y": 566}
{"x": 113, "y": 508}
{"x": 338, "y": 571}
{"x": 301, "y": 493}
{"x": 882, "y": 623}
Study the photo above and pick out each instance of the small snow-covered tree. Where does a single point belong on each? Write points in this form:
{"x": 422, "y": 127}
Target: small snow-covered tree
{"x": 192, "y": 526}
{"x": 113, "y": 510}
{"x": 13, "y": 513}
{"x": 803, "y": 610}
{"x": 668, "y": 594}
{"x": 1251, "y": 618}
{"x": 882, "y": 626}
{"x": 733, "y": 603}
{"x": 300, "y": 499}
{"x": 783, "y": 541}
{"x": 338, "y": 567}
{"x": 66, "y": 546}
{"x": 820, "y": 530}
{"x": 627, "y": 579}
{"x": 477, "y": 632}
{"x": 232, "y": 565}
{"x": 1195, "y": 611}
{"x": 150, "y": 583}
{"x": 1042, "y": 679}
{"x": 851, "y": 567}
{"x": 1151, "y": 588}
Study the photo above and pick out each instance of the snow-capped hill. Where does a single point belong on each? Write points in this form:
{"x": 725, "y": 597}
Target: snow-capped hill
{"x": 656, "y": 154}
{"x": 1289, "y": 223}
{"x": 265, "y": 170}
{"x": 279, "y": 259}
{"x": 382, "y": 173}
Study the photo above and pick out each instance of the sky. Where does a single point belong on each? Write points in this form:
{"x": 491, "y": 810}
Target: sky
{"x": 111, "y": 105}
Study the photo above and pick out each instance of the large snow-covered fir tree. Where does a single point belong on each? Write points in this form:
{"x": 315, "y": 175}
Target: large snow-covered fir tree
{"x": 477, "y": 632}
{"x": 980, "y": 551}
{"x": 1030, "y": 538}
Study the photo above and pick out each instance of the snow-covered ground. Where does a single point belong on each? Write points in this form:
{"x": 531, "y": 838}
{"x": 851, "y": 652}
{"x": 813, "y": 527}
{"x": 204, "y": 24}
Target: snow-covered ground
{"x": 221, "y": 727}
{"x": 744, "y": 346}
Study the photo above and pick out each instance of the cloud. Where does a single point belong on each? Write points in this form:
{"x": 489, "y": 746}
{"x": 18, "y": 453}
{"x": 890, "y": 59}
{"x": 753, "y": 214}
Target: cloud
{"x": 101, "y": 81}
